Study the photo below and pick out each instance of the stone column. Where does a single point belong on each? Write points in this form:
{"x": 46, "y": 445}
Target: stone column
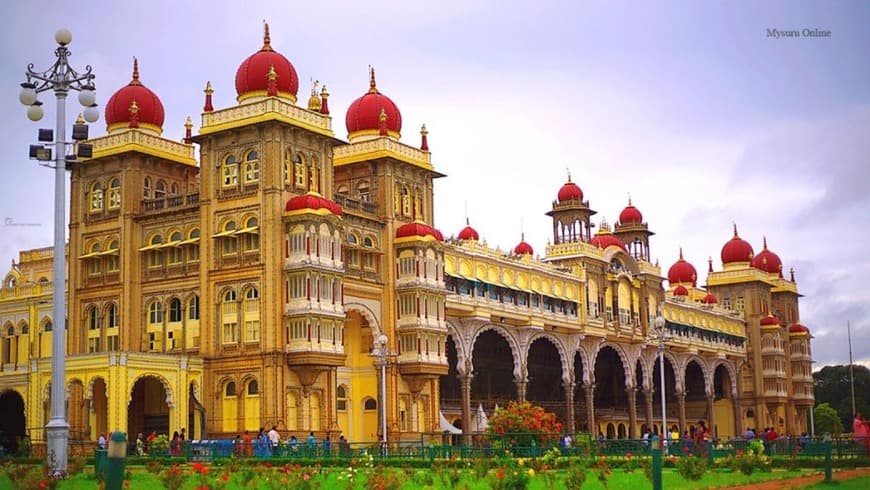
{"x": 590, "y": 409}
{"x": 711, "y": 424}
{"x": 569, "y": 400}
{"x": 521, "y": 389}
{"x": 648, "y": 398}
{"x": 465, "y": 385}
{"x": 738, "y": 415}
{"x": 681, "y": 400}
{"x": 632, "y": 413}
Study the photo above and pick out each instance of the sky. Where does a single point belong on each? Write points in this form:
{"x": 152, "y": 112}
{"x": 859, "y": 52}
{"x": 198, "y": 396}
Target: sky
{"x": 694, "y": 109}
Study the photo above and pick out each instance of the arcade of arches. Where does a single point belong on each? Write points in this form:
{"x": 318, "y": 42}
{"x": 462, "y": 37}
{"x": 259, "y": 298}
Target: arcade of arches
{"x": 616, "y": 394}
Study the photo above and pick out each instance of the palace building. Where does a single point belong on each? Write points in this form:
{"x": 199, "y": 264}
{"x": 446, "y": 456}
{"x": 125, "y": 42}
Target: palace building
{"x": 248, "y": 287}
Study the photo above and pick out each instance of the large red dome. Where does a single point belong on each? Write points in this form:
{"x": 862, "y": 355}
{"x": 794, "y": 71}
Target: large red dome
{"x": 418, "y": 229}
{"x": 682, "y": 272}
{"x": 736, "y": 250}
{"x": 570, "y": 192}
{"x": 252, "y": 77}
{"x": 630, "y": 215}
{"x": 770, "y": 321}
{"x": 364, "y": 114}
{"x": 767, "y": 261}
{"x": 147, "y": 107}
{"x": 606, "y": 239}
{"x": 312, "y": 201}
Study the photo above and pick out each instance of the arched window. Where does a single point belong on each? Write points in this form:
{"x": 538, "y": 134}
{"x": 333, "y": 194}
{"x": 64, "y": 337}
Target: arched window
{"x": 253, "y": 387}
{"x": 230, "y": 389}
{"x": 160, "y": 190}
{"x": 93, "y": 318}
{"x": 368, "y": 242}
{"x": 48, "y": 326}
{"x": 406, "y": 201}
{"x": 193, "y": 308}
{"x": 146, "y": 188}
{"x": 362, "y": 191}
{"x": 230, "y": 172}
{"x": 155, "y": 313}
{"x": 229, "y": 246}
{"x": 175, "y": 252}
{"x": 115, "y": 194}
{"x": 370, "y": 404}
{"x": 250, "y": 235}
{"x": 192, "y": 245}
{"x": 173, "y": 189}
{"x": 252, "y": 315}
{"x": 96, "y": 197}
{"x": 93, "y": 258}
{"x": 112, "y": 320}
{"x": 113, "y": 338}
{"x": 113, "y": 258}
{"x": 155, "y": 250}
{"x": 175, "y": 314}
{"x": 299, "y": 171}
{"x": 341, "y": 398}
{"x": 288, "y": 167}
{"x": 342, "y": 189}
{"x": 229, "y": 318}
{"x": 352, "y": 239}
{"x": 252, "y": 168}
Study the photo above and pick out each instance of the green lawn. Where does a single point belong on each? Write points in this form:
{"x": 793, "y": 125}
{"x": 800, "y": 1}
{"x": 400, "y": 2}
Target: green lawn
{"x": 267, "y": 479}
{"x": 861, "y": 483}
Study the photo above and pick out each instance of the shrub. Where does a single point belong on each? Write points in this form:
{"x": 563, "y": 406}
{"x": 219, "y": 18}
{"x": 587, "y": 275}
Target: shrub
{"x": 691, "y": 468}
{"x": 523, "y": 423}
{"x": 173, "y": 478}
{"x": 576, "y": 476}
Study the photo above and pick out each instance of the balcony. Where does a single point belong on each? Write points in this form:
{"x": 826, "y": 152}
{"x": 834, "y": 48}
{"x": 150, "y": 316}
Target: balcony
{"x": 349, "y": 204}
{"x": 171, "y": 202}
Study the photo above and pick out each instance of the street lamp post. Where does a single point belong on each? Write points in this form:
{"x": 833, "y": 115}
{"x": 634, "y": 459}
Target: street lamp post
{"x": 382, "y": 354}
{"x": 660, "y": 331}
{"x": 60, "y": 78}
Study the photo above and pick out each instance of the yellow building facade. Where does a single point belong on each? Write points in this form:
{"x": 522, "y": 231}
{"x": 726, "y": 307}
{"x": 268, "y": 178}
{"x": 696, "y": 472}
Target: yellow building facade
{"x": 246, "y": 285}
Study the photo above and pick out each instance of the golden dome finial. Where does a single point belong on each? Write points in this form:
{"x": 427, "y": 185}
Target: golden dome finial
{"x": 188, "y": 124}
{"x": 135, "y": 80}
{"x": 373, "y": 86}
{"x": 423, "y": 130}
{"x": 267, "y": 39}
{"x": 208, "y": 90}
{"x": 272, "y": 75}
{"x": 314, "y": 101}
{"x": 80, "y": 119}
{"x": 323, "y": 92}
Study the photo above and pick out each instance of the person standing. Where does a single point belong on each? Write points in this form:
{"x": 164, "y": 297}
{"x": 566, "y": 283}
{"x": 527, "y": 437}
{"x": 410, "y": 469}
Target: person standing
{"x": 274, "y": 439}
{"x": 101, "y": 442}
{"x": 312, "y": 444}
{"x": 702, "y": 435}
{"x": 140, "y": 445}
{"x": 247, "y": 446}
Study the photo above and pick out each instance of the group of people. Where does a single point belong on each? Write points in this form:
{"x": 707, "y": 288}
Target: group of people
{"x": 768, "y": 435}
{"x": 269, "y": 443}
{"x": 145, "y": 444}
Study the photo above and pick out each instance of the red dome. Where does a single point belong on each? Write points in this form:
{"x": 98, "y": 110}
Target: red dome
{"x": 770, "y": 320}
{"x": 606, "y": 239}
{"x": 252, "y": 76}
{"x": 364, "y": 114}
{"x": 312, "y": 201}
{"x": 418, "y": 229}
{"x": 767, "y": 261}
{"x": 149, "y": 109}
{"x": 523, "y": 248}
{"x": 682, "y": 271}
{"x": 570, "y": 192}
{"x": 681, "y": 291}
{"x": 710, "y": 299}
{"x": 736, "y": 250}
{"x": 468, "y": 233}
{"x": 630, "y": 215}
{"x": 798, "y": 328}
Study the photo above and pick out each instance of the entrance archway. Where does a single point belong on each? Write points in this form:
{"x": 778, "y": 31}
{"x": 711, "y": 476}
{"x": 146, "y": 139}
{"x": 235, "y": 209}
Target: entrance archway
{"x": 148, "y": 410}
{"x": 493, "y": 380}
{"x": 581, "y": 423}
{"x": 545, "y": 378}
{"x": 723, "y": 405}
{"x": 100, "y": 407}
{"x": 13, "y": 422}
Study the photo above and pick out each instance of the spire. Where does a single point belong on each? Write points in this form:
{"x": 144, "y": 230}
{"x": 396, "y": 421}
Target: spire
{"x": 135, "y": 80}
{"x": 188, "y": 126}
{"x": 424, "y": 141}
{"x": 791, "y": 274}
{"x": 267, "y": 40}
{"x": 382, "y": 122}
{"x": 80, "y": 119}
{"x": 324, "y": 108}
{"x": 629, "y": 199}
{"x": 208, "y": 107}
{"x": 569, "y": 174}
{"x": 272, "y": 84}
{"x": 134, "y": 114}
{"x": 709, "y": 264}
{"x": 735, "y": 231}
{"x": 681, "y": 253}
{"x": 765, "y": 243}
{"x": 373, "y": 88}
{"x": 314, "y": 103}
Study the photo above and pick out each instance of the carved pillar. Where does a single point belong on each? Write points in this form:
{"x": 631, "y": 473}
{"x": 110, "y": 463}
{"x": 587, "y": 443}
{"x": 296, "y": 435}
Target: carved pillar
{"x": 521, "y": 389}
{"x": 711, "y": 424}
{"x": 681, "y": 399}
{"x": 590, "y": 408}
{"x": 569, "y": 400}
{"x": 648, "y": 398}
{"x": 465, "y": 386}
{"x": 632, "y": 412}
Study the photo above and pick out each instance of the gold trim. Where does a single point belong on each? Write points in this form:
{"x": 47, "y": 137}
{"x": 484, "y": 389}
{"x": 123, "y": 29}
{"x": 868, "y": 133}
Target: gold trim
{"x": 263, "y": 93}
{"x": 224, "y": 233}
{"x": 253, "y": 230}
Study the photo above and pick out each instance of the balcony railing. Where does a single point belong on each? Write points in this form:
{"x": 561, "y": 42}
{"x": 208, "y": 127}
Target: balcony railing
{"x": 170, "y": 202}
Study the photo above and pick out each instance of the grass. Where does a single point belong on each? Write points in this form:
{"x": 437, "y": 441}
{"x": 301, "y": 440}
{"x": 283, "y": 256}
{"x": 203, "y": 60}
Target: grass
{"x": 860, "y": 483}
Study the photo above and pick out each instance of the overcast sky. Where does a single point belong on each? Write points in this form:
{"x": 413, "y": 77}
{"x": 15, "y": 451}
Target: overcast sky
{"x": 694, "y": 110}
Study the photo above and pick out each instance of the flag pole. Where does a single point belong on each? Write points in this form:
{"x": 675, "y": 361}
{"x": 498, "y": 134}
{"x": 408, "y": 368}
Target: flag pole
{"x": 851, "y": 369}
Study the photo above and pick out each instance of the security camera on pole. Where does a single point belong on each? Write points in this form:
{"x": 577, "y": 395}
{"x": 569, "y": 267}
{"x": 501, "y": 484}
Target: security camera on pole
{"x": 60, "y": 78}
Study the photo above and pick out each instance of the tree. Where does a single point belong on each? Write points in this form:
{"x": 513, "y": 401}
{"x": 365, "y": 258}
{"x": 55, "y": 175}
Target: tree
{"x": 521, "y": 423}
{"x": 831, "y": 386}
{"x": 826, "y": 419}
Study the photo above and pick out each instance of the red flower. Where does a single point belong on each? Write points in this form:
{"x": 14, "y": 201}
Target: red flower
{"x": 306, "y": 477}
{"x": 627, "y": 455}
{"x": 225, "y": 477}
{"x": 268, "y": 464}
{"x": 499, "y": 474}
{"x": 739, "y": 452}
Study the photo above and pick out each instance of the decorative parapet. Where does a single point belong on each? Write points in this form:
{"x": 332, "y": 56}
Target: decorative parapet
{"x": 269, "y": 109}
{"x": 749, "y": 274}
{"x": 571, "y": 249}
{"x": 138, "y": 141}
{"x": 380, "y": 148}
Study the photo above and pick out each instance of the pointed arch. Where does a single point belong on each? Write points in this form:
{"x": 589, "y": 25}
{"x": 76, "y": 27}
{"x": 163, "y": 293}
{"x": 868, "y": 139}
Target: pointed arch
{"x": 167, "y": 388}
{"x": 567, "y": 365}
{"x": 627, "y": 366}
{"x": 512, "y": 342}
{"x": 732, "y": 373}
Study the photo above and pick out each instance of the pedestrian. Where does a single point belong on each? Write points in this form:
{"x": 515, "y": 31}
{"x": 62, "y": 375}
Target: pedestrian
{"x": 312, "y": 444}
{"x": 101, "y": 442}
{"x": 140, "y": 445}
{"x": 175, "y": 444}
{"x": 182, "y": 435}
{"x": 702, "y": 436}
{"x": 342, "y": 446}
{"x": 247, "y": 447}
{"x": 294, "y": 444}
{"x": 274, "y": 439}
{"x": 327, "y": 446}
